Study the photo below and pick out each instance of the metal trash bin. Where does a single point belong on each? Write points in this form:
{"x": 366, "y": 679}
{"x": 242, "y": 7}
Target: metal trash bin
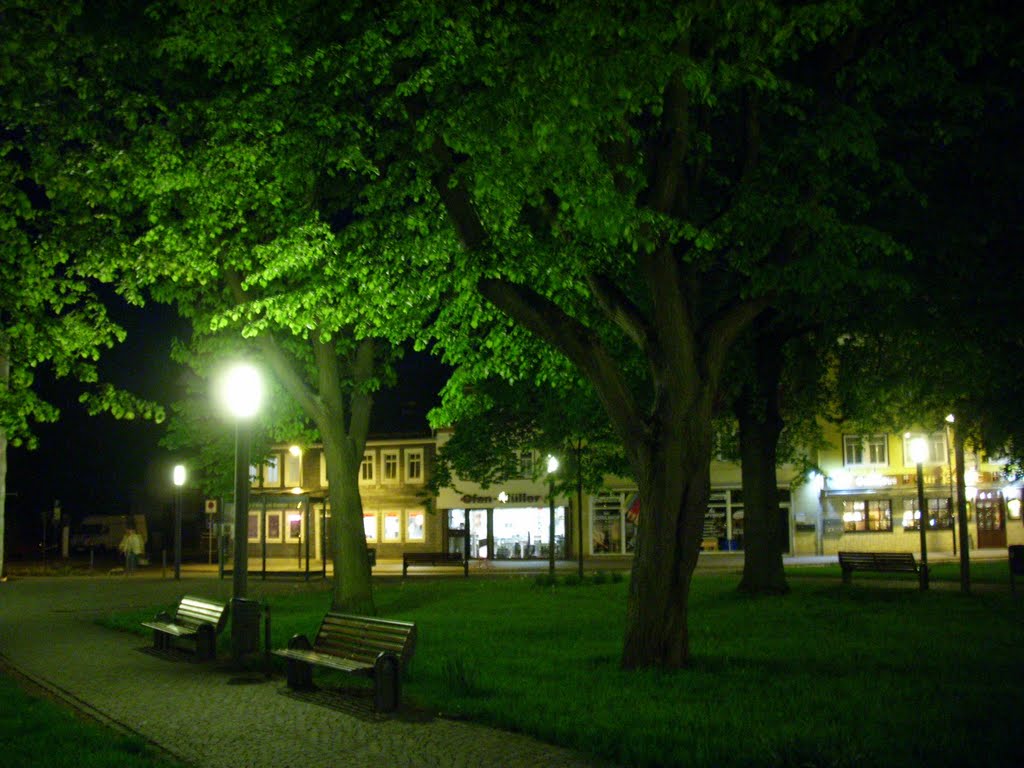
{"x": 245, "y": 626}
{"x": 1016, "y": 558}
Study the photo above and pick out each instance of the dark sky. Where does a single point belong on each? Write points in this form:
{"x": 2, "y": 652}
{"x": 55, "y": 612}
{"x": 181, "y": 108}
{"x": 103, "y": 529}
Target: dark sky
{"x": 98, "y": 465}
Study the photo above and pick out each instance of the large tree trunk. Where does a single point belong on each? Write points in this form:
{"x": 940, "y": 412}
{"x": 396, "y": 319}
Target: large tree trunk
{"x": 5, "y": 380}
{"x": 674, "y": 487}
{"x": 760, "y": 423}
{"x": 353, "y": 590}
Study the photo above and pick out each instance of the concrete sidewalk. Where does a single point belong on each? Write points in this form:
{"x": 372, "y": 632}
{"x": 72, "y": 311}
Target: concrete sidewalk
{"x": 210, "y": 715}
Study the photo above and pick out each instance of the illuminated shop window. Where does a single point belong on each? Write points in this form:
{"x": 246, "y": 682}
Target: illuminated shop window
{"x": 867, "y": 515}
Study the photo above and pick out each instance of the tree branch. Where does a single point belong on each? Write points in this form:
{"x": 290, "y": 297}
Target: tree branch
{"x": 456, "y": 199}
{"x": 623, "y": 312}
{"x": 548, "y": 321}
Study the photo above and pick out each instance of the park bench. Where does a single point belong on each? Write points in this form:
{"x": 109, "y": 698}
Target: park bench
{"x": 434, "y": 558}
{"x": 884, "y": 562}
{"x": 196, "y": 619}
{"x": 357, "y": 645}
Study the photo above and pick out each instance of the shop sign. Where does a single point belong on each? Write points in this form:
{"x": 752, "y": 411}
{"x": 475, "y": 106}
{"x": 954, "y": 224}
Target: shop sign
{"x": 504, "y": 498}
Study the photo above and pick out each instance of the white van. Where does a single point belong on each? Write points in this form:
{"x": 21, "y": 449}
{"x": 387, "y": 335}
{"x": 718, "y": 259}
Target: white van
{"x": 103, "y": 533}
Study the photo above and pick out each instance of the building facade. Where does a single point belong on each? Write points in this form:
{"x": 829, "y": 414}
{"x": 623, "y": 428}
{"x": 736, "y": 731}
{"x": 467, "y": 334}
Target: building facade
{"x": 864, "y": 498}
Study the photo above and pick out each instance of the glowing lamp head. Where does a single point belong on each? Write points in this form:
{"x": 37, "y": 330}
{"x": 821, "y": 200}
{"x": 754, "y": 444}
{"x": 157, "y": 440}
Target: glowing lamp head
{"x": 241, "y": 391}
{"x": 179, "y": 475}
{"x": 552, "y": 464}
{"x": 919, "y": 450}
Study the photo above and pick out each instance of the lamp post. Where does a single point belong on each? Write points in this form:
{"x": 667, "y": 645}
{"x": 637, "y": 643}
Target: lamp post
{"x": 918, "y": 454}
{"x": 552, "y": 468}
{"x": 179, "y": 480}
{"x": 240, "y": 392}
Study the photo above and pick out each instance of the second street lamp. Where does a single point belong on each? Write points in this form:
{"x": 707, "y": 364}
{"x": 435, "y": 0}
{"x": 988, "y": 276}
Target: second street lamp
{"x": 918, "y": 454}
{"x": 552, "y": 468}
{"x": 179, "y": 481}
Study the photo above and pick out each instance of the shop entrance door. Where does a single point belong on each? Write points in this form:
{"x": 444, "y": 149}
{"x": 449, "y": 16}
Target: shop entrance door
{"x": 991, "y": 520}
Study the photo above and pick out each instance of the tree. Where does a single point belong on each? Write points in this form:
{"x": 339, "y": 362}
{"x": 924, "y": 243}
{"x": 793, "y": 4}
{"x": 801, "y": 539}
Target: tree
{"x": 52, "y": 321}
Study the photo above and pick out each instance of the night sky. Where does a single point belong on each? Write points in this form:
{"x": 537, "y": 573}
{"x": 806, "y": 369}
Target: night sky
{"x": 99, "y": 465}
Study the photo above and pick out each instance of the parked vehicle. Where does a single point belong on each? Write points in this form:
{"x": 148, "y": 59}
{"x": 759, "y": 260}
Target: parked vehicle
{"x": 103, "y": 533}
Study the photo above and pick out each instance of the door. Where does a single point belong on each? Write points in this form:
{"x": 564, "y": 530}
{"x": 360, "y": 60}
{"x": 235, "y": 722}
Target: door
{"x": 991, "y": 519}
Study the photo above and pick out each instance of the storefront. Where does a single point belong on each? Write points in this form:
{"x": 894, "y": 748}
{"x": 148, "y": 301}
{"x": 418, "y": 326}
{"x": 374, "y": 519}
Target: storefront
{"x": 511, "y": 523}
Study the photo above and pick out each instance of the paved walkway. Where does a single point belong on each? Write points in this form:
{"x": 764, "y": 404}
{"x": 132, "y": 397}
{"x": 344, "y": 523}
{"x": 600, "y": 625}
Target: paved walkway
{"x": 210, "y": 715}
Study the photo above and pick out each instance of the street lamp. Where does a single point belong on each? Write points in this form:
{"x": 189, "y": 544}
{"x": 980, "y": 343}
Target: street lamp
{"x": 179, "y": 480}
{"x": 918, "y": 454}
{"x": 552, "y": 468}
{"x": 240, "y": 392}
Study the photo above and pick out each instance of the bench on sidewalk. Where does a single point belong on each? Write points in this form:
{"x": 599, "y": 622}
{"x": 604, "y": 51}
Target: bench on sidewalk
{"x": 196, "y": 619}
{"x": 883, "y": 562}
{"x": 357, "y": 645}
{"x": 434, "y": 558}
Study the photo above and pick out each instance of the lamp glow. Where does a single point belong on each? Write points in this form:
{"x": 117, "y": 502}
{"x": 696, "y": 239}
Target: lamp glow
{"x": 179, "y": 475}
{"x": 241, "y": 391}
{"x": 552, "y": 464}
{"x": 919, "y": 450}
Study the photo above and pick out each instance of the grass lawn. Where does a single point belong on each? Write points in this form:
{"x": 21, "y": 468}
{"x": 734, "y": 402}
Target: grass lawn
{"x": 37, "y": 732}
{"x": 873, "y": 674}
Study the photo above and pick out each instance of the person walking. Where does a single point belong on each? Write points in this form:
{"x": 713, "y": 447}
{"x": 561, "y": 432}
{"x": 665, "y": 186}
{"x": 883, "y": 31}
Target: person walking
{"x": 131, "y": 545}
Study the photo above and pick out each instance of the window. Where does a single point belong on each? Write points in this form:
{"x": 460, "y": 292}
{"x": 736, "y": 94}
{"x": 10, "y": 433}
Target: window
{"x": 936, "y": 448}
{"x": 867, "y": 515}
{"x": 865, "y": 450}
{"x": 273, "y": 526}
{"x": 415, "y": 521}
{"x": 389, "y": 466}
{"x": 940, "y": 515}
{"x": 414, "y": 466}
{"x": 267, "y": 476}
{"x": 366, "y": 473}
{"x": 526, "y": 464}
{"x": 370, "y": 524}
{"x": 293, "y": 469}
{"x": 393, "y": 525}
{"x": 253, "y": 532}
{"x": 294, "y": 525}
{"x": 606, "y": 524}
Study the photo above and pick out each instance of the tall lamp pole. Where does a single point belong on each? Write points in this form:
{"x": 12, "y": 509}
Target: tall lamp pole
{"x": 179, "y": 481}
{"x": 918, "y": 454}
{"x": 552, "y": 468}
{"x": 240, "y": 392}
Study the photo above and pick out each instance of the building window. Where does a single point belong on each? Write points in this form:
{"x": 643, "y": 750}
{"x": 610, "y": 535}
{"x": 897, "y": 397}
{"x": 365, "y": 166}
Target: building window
{"x": 370, "y": 525}
{"x": 253, "y": 531}
{"x": 366, "y": 473}
{"x": 293, "y": 469}
{"x": 867, "y": 515}
{"x": 865, "y": 450}
{"x": 606, "y": 524}
{"x": 936, "y": 448}
{"x": 389, "y": 467}
{"x": 526, "y": 464}
{"x": 414, "y": 466}
{"x": 940, "y": 515}
{"x": 392, "y": 525}
{"x": 274, "y": 526}
{"x": 294, "y": 526}
{"x": 415, "y": 524}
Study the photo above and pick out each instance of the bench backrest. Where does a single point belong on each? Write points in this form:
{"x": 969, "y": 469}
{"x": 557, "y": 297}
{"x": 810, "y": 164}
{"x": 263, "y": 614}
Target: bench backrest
{"x": 361, "y": 638}
{"x": 878, "y": 560}
{"x": 193, "y": 611}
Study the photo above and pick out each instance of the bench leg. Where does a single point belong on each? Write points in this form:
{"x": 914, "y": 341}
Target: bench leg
{"x": 847, "y": 576}
{"x": 300, "y": 675}
{"x": 387, "y": 683}
{"x": 161, "y": 640}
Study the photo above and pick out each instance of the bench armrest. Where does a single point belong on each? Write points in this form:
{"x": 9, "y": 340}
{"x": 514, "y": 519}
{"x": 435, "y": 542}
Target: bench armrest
{"x": 300, "y": 641}
{"x": 165, "y": 617}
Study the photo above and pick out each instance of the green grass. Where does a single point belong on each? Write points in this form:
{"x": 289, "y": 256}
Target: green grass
{"x": 873, "y": 674}
{"x": 34, "y": 731}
